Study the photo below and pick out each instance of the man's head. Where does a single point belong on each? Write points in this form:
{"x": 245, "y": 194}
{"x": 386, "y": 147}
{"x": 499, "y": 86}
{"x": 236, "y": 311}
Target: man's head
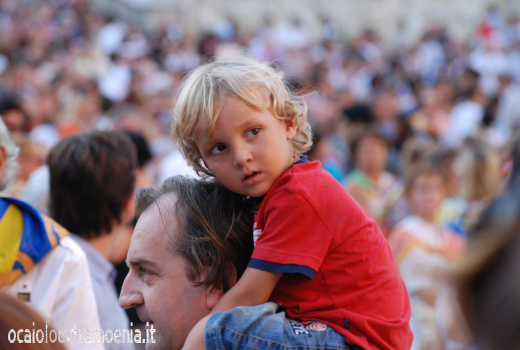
{"x": 261, "y": 88}
{"x": 8, "y": 154}
{"x": 92, "y": 180}
{"x": 12, "y": 113}
{"x": 192, "y": 241}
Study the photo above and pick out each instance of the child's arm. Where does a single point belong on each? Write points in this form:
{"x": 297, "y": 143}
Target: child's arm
{"x": 253, "y": 288}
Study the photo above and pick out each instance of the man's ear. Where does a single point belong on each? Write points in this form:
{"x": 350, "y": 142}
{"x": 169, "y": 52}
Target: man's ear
{"x": 128, "y": 211}
{"x": 213, "y": 297}
{"x": 214, "y": 294}
{"x": 3, "y": 159}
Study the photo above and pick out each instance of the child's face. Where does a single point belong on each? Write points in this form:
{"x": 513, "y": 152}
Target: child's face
{"x": 371, "y": 155}
{"x": 426, "y": 195}
{"x": 248, "y": 150}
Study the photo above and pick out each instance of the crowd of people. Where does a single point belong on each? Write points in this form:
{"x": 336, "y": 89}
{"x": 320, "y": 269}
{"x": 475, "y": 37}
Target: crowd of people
{"x": 422, "y": 135}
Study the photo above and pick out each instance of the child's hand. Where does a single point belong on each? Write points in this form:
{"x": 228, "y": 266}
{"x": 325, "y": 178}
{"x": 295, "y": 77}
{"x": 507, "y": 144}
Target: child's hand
{"x": 195, "y": 340}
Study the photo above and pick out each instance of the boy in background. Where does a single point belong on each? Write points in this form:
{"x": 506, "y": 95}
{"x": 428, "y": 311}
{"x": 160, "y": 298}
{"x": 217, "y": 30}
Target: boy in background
{"x": 92, "y": 183}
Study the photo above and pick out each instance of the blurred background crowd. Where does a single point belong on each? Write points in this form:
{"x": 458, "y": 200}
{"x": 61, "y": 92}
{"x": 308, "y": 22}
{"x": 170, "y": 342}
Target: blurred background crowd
{"x": 422, "y": 134}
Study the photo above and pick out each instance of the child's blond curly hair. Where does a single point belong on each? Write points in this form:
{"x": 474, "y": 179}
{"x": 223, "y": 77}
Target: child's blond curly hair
{"x": 256, "y": 84}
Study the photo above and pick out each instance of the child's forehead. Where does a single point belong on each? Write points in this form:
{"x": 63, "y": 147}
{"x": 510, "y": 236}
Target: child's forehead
{"x": 429, "y": 179}
{"x": 373, "y": 140}
{"x": 253, "y": 98}
{"x": 254, "y": 104}
{"x": 238, "y": 107}
{"x": 234, "y": 106}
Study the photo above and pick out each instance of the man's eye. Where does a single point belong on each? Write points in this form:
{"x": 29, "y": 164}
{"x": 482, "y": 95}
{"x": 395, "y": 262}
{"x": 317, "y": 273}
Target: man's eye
{"x": 253, "y": 132}
{"x": 143, "y": 272}
{"x": 217, "y": 149}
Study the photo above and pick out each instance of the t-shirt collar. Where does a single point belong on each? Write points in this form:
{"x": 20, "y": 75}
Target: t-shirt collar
{"x": 258, "y": 200}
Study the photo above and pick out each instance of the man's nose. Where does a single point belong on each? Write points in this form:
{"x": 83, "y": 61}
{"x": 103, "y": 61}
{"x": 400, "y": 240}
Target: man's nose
{"x": 130, "y": 294}
{"x": 241, "y": 156}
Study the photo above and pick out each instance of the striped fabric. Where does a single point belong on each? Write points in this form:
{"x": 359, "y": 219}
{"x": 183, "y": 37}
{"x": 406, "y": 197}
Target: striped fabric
{"x": 26, "y": 236}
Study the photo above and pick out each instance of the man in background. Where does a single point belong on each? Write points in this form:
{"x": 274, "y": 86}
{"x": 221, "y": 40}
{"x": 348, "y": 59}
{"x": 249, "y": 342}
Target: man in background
{"x": 40, "y": 263}
{"x": 92, "y": 182}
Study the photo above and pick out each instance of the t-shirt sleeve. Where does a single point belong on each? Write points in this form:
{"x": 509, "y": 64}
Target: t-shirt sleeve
{"x": 294, "y": 238}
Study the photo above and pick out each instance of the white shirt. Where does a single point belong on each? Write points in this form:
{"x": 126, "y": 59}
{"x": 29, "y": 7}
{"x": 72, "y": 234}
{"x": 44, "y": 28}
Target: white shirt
{"x": 175, "y": 164}
{"x": 103, "y": 273}
{"x": 36, "y": 189}
{"x": 61, "y": 291}
{"x": 490, "y": 64}
{"x": 420, "y": 245}
{"x": 419, "y": 264}
{"x": 464, "y": 122}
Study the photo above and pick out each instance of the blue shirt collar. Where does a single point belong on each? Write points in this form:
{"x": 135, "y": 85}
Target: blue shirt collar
{"x": 100, "y": 268}
{"x": 303, "y": 159}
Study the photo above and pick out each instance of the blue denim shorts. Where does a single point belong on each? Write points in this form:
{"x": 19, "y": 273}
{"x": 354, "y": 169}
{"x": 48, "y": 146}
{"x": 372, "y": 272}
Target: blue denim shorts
{"x": 261, "y": 327}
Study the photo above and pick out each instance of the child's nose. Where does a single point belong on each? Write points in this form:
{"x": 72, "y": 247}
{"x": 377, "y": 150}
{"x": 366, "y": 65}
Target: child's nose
{"x": 242, "y": 156}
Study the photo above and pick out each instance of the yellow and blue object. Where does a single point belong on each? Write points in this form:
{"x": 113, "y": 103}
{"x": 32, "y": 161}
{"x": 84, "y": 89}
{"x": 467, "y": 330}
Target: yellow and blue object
{"x": 26, "y": 237}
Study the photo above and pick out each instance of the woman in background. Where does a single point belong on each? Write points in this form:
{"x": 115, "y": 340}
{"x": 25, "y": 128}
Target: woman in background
{"x": 477, "y": 172}
{"x": 374, "y": 188}
{"x": 15, "y": 315}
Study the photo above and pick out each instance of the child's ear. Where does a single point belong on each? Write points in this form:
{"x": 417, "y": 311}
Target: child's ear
{"x": 290, "y": 128}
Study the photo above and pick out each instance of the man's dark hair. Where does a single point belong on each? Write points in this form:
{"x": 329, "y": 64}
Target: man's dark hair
{"x": 144, "y": 155}
{"x": 10, "y": 102}
{"x": 359, "y": 114}
{"x": 215, "y": 235}
{"x": 91, "y": 178}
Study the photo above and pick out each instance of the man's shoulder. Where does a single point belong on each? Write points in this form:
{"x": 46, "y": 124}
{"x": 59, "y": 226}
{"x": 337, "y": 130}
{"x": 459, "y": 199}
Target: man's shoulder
{"x": 67, "y": 258}
{"x": 70, "y": 251}
{"x": 47, "y": 279}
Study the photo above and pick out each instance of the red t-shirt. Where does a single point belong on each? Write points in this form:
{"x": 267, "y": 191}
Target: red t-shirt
{"x": 338, "y": 268}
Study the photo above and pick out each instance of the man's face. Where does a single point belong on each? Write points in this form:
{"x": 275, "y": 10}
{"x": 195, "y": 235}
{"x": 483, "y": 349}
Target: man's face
{"x": 157, "y": 285}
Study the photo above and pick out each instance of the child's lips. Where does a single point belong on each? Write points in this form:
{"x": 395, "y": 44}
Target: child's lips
{"x": 251, "y": 178}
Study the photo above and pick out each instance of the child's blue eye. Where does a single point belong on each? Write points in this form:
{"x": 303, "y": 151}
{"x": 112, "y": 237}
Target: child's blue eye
{"x": 253, "y": 132}
{"x": 217, "y": 149}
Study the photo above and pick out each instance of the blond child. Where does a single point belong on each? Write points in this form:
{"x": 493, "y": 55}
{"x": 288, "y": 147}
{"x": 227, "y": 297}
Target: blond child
{"x": 422, "y": 248}
{"x": 318, "y": 255}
